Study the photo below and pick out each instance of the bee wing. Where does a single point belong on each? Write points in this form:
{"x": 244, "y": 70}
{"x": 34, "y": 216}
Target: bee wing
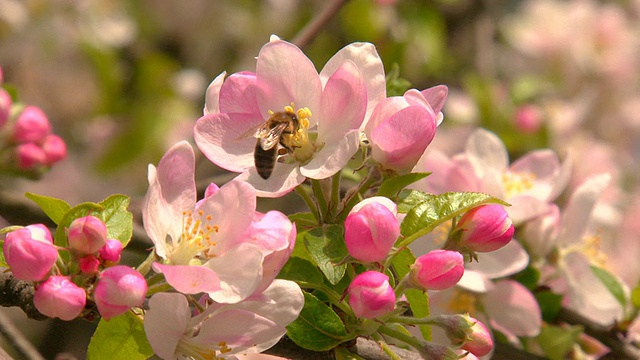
{"x": 272, "y": 136}
{"x": 257, "y": 132}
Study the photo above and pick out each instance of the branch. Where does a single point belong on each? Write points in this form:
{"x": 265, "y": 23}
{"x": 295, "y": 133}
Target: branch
{"x": 309, "y": 32}
{"x": 14, "y": 292}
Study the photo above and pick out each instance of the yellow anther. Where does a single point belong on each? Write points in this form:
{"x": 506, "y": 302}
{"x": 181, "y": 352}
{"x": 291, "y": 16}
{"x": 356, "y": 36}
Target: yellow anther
{"x": 463, "y": 302}
{"x": 216, "y": 228}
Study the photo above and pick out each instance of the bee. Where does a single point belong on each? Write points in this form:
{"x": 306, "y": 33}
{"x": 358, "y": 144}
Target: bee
{"x": 278, "y": 129}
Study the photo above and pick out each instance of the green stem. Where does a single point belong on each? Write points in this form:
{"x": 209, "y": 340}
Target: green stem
{"x": 145, "y": 266}
{"x": 388, "y": 350}
{"x": 407, "y": 339}
{"x": 335, "y": 194}
{"x": 412, "y": 320}
{"x": 161, "y": 287}
{"x": 352, "y": 198}
{"x": 320, "y": 198}
{"x": 313, "y": 207}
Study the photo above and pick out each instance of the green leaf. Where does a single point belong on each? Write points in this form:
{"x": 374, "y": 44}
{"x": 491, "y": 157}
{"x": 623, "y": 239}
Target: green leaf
{"x": 54, "y": 208}
{"x": 409, "y": 198}
{"x": 528, "y": 277}
{"x": 550, "y": 304}
{"x": 437, "y": 209}
{"x": 342, "y": 353}
{"x": 635, "y": 297}
{"x": 118, "y": 219}
{"x": 327, "y": 247}
{"x": 318, "y": 328}
{"x": 392, "y": 186}
{"x": 304, "y": 220}
{"x": 556, "y": 342}
{"x": 418, "y": 300}
{"x": 301, "y": 270}
{"x": 121, "y": 337}
{"x": 612, "y": 284}
{"x": 3, "y": 261}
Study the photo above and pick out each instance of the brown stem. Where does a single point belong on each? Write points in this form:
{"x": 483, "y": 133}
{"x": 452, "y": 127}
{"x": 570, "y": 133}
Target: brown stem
{"x": 309, "y": 32}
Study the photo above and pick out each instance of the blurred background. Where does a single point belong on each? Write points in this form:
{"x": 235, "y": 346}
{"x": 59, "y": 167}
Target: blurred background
{"x": 121, "y": 81}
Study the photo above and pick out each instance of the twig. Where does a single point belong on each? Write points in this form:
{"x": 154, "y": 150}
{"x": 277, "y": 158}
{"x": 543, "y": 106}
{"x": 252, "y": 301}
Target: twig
{"x": 17, "y": 339}
{"x": 309, "y": 32}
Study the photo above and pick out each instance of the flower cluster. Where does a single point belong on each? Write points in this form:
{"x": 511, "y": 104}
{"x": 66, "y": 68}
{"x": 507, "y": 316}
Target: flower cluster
{"x": 26, "y": 138}
{"x": 91, "y": 277}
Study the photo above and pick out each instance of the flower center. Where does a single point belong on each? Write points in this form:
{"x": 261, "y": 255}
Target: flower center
{"x": 463, "y": 302}
{"x": 187, "y": 349}
{"x": 197, "y": 241}
{"x": 298, "y": 142}
{"x": 515, "y": 183}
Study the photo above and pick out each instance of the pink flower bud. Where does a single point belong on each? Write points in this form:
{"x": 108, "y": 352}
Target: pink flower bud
{"x": 87, "y": 234}
{"x": 89, "y": 264}
{"x": 370, "y": 295}
{"x": 54, "y": 149}
{"x": 29, "y": 156}
{"x": 111, "y": 251}
{"x": 528, "y": 119}
{"x": 30, "y": 252}
{"x": 5, "y": 106}
{"x": 32, "y": 125}
{"x": 1, "y": 76}
{"x": 371, "y": 232}
{"x": 60, "y": 297}
{"x": 485, "y": 228}
{"x": 118, "y": 289}
{"x": 437, "y": 270}
{"x": 479, "y": 341}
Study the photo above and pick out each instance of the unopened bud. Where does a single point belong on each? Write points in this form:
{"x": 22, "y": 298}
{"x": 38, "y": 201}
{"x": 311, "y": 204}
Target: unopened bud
{"x": 32, "y": 125}
{"x": 370, "y": 232}
{"x": 87, "y": 234}
{"x": 54, "y": 149}
{"x": 370, "y": 295}
{"x": 29, "y": 156}
{"x": 436, "y": 270}
{"x": 89, "y": 264}
{"x": 111, "y": 251}
{"x": 30, "y": 252}
{"x": 119, "y": 289}
{"x": 60, "y": 297}
{"x": 485, "y": 228}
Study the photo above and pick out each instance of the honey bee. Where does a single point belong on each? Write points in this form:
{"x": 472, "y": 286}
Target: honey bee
{"x": 276, "y": 130}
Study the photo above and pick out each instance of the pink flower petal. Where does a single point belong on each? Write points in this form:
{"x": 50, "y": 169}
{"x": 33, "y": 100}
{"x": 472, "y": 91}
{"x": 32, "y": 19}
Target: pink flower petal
{"x": 238, "y": 95}
{"x": 286, "y": 75}
{"x": 488, "y": 151}
{"x": 211, "y": 104}
{"x": 285, "y": 177}
{"x": 545, "y": 166}
{"x": 165, "y": 322}
{"x": 333, "y": 157}
{"x": 436, "y": 96}
{"x": 508, "y": 260}
{"x": 511, "y": 306}
{"x": 224, "y": 139}
{"x": 240, "y": 273}
{"x": 242, "y": 329}
{"x": 189, "y": 279}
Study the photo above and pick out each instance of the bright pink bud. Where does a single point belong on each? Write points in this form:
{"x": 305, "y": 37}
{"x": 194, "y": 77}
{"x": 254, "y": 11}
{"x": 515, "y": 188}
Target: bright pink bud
{"x": 485, "y": 228}
{"x": 5, "y": 106}
{"x": 371, "y": 232}
{"x": 479, "y": 342}
{"x": 87, "y": 234}
{"x": 528, "y": 119}
{"x": 437, "y": 270}
{"x": 54, "y": 149}
{"x": 1, "y": 76}
{"x": 29, "y": 156}
{"x": 111, "y": 251}
{"x": 119, "y": 288}
{"x": 89, "y": 264}
{"x": 370, "y": 295}
{"x": 32, "y": 125}
{"x": 60, "y": 297}
{"x": 30, "y": 252}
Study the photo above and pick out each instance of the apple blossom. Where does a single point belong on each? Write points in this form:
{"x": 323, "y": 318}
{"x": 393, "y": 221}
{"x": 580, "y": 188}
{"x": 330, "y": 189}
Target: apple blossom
{"x": 118, "y": 289}
{"x": 370, "y": 295}
{"x": 30, "y": 252}
{"x": 250, "y": 326}
{"x": 29, "y": 156}
{"x": 59, "y": 297}
{"x": 483, "y": 229}
{"x": 330, "y": 108}
{"x": 111, "y": 251}
{"x": 401, "y": 127}
{"x": 479, "y": 342}
{"x": 31, "y": 125}
{"x": 436, "y": 270}
{"x": 211, "y": 246}
{"x": 371, "y": 231}
{"x": 87, "y": 234}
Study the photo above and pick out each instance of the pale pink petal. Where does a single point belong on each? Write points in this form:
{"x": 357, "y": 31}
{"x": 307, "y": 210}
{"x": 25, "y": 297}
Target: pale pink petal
{"x": 189, "y": 279}
{"x": 165, "y": 322}
{"x": 376, "y": 199}
{"x": 545, "y": 167}
{"x": 285, "y": 177}
{"x": 344, "y": 102}
{"x": 172, "y": 190}
{"x": 257, "y": 356}
{"x": 399, "y": 141}
{"x": 225, "y": 139}
{"x": 230, "y": 209}
{"x": 333, "y": 157}
{"x": 487, "y": 151}
{"x": 238, "y": 95}
{"x": 587, "y": 295}
{"x": 240, "y": 273}
{"x": 475, "y": 281}
{"x": 415, "y": 97}
{"x": 511, "y": 306}
{"x": 385, "y": 109}
{"x": 368, "y": 62}
{"x": 286, "y": 75}
{"x": 577, "y": 213}
{"x": 212, "y": 95}
{"x": 524, "y": 208}
{"x": 541, "y": 233}
{"x": 508, "y": 260}
{"x": 436, "y": 96}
